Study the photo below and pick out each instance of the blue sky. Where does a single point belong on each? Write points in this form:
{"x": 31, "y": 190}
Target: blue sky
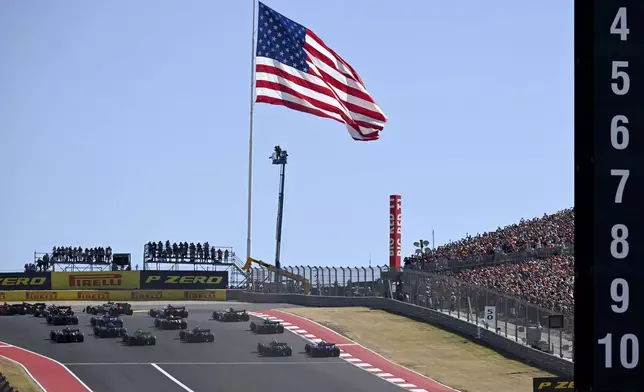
{"x": 125, "y": 122}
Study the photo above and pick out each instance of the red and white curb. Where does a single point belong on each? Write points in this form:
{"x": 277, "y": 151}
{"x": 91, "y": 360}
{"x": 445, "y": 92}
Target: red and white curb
{"x": 344, "y": 355}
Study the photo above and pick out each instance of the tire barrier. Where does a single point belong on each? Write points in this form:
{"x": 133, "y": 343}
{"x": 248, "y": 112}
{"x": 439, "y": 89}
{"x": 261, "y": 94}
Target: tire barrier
{"x": 112, "y": 295}
{"x": 532, "y": 356}
{"x": 5, "y": 386}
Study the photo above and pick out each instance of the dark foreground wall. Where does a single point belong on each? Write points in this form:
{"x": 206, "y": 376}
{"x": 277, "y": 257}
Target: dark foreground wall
{"x": 534, "y": 357}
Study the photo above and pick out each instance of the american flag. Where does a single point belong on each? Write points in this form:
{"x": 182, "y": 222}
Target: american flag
{"x": 294, "y": 68}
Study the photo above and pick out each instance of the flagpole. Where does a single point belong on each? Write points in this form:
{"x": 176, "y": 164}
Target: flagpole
{"x": 250, "y": 136}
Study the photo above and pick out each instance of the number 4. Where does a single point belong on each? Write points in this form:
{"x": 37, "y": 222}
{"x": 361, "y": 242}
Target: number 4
{"x": 620, "y": 20}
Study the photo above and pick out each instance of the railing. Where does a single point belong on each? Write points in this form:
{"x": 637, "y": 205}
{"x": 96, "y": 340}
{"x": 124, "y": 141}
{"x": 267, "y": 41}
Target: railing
{"x": 333, "y": 281}
{"x": 499, "y": 258}
{"x": 447, "y": 295}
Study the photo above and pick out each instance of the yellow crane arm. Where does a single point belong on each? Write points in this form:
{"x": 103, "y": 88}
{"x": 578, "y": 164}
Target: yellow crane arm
{"x": 288, "y": 274}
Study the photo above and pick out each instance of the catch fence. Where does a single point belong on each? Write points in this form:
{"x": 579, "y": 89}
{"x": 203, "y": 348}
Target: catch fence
{"x": 515, "y": 318}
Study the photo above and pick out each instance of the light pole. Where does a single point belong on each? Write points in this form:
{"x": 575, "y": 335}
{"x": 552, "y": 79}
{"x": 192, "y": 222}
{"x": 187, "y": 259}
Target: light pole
{"x": 279, "y": 157}
{"x": 422, "y": 247}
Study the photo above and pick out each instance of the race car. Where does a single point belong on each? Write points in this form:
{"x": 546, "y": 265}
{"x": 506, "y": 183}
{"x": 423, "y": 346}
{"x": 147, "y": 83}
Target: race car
{"x": 170, "y": 322}
{"x": 54, "y": 310}
{"x": 62, "y": 319}
{"x": 139, "y": 338}
{"x": 12, "y": 309}
{"x": 322, "y": 349}
{"x": 104, "y": 320}
{"x": 230, "y": 315}
{"x": 34, "y": 308}
{"x": 268, "y": 326}
{"x": 197, "y": 335}
{"x": 107, "y": 308}
{"x": 67, "y": 335}
{"x": 109, "y": 331}
{"x": 274, "y": 349}
{"x": 123, "y": 308}
{"x": 169, "y": 310}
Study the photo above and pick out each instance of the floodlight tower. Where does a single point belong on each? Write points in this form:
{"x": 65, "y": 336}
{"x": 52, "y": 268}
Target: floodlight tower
{"x": 422, "y": 246}
{"x": 279, "y": 157}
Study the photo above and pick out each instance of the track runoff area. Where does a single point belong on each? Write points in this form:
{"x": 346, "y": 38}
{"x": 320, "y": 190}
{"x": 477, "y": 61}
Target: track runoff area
{"x": 231, "y": 363}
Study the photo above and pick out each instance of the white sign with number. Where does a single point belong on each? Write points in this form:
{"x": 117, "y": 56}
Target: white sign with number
{"x": 490, "y": 316}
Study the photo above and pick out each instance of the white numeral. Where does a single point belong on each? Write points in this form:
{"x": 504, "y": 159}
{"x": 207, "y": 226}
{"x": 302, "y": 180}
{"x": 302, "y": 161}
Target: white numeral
{"x": 619, "y": 194}
{"x": 620, "y": 234}
{"x": 616, "y": 129}
{"x": 607, "y": 341}
{"x": 616, "y": 73}
{"x": 623, "y": 351}
{"x": 619, "y": 24}
{"x": 620, "y": 285}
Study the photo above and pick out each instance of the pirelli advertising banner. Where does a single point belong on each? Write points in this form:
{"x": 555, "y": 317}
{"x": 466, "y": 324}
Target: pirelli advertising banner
{"x": 25, "y": 281}
{"x": 184, "y": 280}
{"x": 102, "y": 280}
{"x": 112, "y": 295}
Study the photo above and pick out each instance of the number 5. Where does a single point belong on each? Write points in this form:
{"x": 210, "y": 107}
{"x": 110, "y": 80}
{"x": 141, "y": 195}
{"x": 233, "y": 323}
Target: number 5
{"x": 622, "y": 183}
{"x": 616, "y": 73}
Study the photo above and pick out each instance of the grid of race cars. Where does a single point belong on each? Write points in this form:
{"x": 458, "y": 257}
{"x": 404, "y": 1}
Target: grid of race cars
{"x": 107, "y": 321}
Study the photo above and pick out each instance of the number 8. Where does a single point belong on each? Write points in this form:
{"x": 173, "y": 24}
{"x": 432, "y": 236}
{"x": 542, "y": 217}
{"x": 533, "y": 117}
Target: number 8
{"x": 620, "y": 234}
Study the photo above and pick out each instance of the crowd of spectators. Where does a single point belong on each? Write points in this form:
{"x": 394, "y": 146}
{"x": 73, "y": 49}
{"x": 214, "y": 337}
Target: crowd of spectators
{"x": 548, "y": 231}
{"x": 547, "y": 282}
{"x": 78, "y": 255}
{"x": 184, "y": 252}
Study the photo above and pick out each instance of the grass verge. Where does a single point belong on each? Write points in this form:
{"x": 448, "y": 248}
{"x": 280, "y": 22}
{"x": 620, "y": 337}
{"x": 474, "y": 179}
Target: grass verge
{"x": 444, "y": 356}
{"x": 16, "y": 375}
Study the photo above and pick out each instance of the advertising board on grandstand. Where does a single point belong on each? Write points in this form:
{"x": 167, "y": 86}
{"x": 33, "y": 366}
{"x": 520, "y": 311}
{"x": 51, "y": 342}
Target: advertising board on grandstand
{"x": 25, "y": 281}
{"x": 184, "y": 280}
{"x": 102, "y": 280}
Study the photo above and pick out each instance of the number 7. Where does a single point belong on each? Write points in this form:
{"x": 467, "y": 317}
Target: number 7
{"x": 622, "y": 182}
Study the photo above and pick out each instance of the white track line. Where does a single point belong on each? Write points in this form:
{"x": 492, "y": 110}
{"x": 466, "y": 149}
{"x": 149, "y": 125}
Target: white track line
{"x": 25, "y": 369}
{"x": 374, "y": 370}
{"x": 179, "y": 383}
{"x": 395, "y": 380}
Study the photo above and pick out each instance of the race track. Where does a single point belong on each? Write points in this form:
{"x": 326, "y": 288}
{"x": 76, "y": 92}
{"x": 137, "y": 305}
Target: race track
{"x": 229, "y": 364}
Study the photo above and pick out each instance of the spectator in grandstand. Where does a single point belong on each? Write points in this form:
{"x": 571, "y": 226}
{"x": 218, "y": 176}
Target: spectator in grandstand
{"x": 31, "y": 267}
{"x": 548, "y": 231}
{"x": 548, "y": 283}
{"x": 184, "y": 252}
{"x": 97, "y": 255}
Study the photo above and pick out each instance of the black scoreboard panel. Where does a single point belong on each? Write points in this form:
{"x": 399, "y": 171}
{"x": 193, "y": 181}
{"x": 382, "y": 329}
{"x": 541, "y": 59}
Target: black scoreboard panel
{"x": 609, "y": 159}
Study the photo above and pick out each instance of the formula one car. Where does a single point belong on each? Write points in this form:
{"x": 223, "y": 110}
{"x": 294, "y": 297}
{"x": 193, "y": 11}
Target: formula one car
{"x": 62, "y": 319}
{"x": 34, "y": 308}
{"x": 268, "y": 326}
{"x": 123, "y": 308}
{"x": 170, "y": 322}
{"x": 109, "y": 331}
{"x": 104, "y": 320}
{"x": 169, "y": 310}
{"x": 274, "y": 349}
{"x": 52, "y": 310}
{"x": 197, "y": 335}
{"x": 322, "y": 349}
{"x": 66, "y": 335}
{"x": 231, "y": 315}
{"x": 139, "y": 338}
{"x": 12, "y": 309}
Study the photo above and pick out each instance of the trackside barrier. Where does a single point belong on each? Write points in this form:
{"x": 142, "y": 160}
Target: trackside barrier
{"x": 5, "y": 386}
{"x": 111, "y": 295}
{"x": 537, "y": 358}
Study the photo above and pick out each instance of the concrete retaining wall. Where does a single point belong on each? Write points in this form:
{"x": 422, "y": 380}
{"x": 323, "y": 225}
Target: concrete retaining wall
{"x": 537, "y": 358}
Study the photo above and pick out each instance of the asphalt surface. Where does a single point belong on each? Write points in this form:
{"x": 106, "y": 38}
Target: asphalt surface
{"x": 229, "y": 364}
